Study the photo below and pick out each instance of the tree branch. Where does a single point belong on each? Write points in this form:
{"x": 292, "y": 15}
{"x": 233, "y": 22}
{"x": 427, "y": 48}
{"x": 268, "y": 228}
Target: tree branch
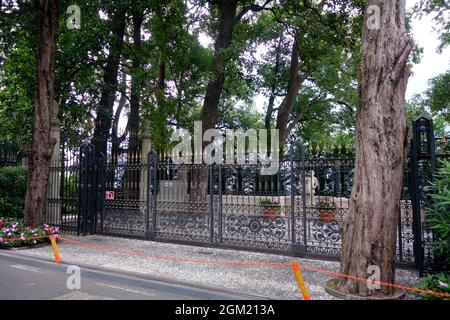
{"x": 253, "y": 8}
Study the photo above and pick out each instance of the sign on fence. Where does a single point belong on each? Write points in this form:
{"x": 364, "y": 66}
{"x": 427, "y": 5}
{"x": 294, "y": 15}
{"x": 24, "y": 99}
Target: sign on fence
{"x": 109, "y": 195}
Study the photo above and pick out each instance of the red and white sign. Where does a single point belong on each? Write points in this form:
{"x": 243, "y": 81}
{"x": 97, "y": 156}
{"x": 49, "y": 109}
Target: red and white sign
{"x": 109, "y": 195}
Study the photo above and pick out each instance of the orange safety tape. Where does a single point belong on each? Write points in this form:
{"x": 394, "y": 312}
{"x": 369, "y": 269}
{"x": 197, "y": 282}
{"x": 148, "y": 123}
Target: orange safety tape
{"x": 374, "y": 281}
{"x": 253, "y": 264}
{"x": 139, "y": 254}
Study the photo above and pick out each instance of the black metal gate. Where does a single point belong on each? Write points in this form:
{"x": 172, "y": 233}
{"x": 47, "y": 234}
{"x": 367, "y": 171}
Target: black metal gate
{"x": 423, "y": 166}
{"x": 91, "y": 190}
{"x": 233, "y": 205}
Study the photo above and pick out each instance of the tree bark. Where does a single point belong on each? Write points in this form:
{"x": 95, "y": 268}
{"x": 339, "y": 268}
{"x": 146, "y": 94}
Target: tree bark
{"x": 159, "y": 90}
{"x": 273, "y": 87}
{"x": 369, "y": 230}
{"x": 296, "y": 79}
{"x": 136, "y": 84}
{"x": 116, "y": 140}
{"x": 110, "y": 83}
{"x": 42, "y": 145}
{"x": 132, "y": 174}
{"x": 227, "y": 23}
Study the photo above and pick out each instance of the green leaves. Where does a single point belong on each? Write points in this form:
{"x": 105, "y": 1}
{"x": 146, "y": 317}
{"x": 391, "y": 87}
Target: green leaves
{"x": 436, "y": 283}
{"x": 440, "y": 11}
{"x": 439, "y": 213}
{"x": 13, "y": 182}
{"x": 438, "y": 95}
{"x": 435, "y": 101}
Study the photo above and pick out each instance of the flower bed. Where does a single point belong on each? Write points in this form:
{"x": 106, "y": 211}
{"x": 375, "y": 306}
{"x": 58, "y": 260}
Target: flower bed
{"x": 15, "y": 234}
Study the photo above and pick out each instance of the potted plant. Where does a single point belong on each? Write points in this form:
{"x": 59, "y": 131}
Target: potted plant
{"x": 271, "y": 208}
{"x": 327, "y": 211}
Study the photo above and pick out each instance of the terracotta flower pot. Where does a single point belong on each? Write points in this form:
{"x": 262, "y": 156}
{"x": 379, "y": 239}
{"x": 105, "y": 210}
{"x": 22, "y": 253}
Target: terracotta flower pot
{"x": 327, "y": 215}
{"x": 270, "y": 212}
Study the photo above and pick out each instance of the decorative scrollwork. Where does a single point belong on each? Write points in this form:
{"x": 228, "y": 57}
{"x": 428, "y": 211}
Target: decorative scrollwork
{"x": 326, "y": 232}
{"x": 187, "y": 224}
{"x": 123, "y": 221}
{"x": 256, "y": 227}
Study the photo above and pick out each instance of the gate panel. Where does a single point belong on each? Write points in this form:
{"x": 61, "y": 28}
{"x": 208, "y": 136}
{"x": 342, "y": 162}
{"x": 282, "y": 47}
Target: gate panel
{"x": 327, "y": 188}
{"x": 87, "y": 201}
{"x": 183, "y": 202}
{"x": 256, "y": 210}
{"x": 124, "y": 195}
{"x": 63, "y": 192}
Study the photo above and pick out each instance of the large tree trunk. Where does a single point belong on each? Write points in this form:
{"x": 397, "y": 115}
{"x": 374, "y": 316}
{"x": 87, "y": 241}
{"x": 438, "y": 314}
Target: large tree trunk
{"x": 227, "y": 22}
{"x": 160, "y": 91}
{"x": 295, "y": 81}
{"x": 136, "y": 83}
{"x": 132, "y": 173}
{"x": 369, "y": 231}
{"x": 108, "y": 92}
{"x": 42, "y": 145}
{"x": 117, "y": 139}
{"x": 297, "y": 76}
{"x": 273, "y": 87}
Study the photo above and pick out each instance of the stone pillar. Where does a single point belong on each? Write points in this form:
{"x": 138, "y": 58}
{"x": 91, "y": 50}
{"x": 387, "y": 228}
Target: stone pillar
{"x": 145, "y": 149}
{"x": 53, "y": 210}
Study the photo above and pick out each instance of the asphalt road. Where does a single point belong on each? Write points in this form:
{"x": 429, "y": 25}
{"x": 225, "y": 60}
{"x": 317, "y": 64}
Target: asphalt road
{"x": 24, "y": 278}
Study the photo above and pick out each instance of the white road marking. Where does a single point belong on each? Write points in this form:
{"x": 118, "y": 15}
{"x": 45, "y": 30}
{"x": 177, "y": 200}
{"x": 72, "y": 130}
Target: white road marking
{"x": 124, "y": 289}
{"x": 79, "y": 295}
{"x": 125, "y": 268}
{"x": 27, "y": 268}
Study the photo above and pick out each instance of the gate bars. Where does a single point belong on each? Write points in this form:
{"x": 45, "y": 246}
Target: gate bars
{"x": 233, "y": 205}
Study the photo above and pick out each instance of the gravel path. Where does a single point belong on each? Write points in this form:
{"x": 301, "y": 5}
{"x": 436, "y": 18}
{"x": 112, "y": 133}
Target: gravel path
{"x": 272, "y": 281}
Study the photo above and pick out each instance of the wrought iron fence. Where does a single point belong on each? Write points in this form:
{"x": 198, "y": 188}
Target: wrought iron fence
{"x": 10, "y": 154}
{"x": 297, "y": 211}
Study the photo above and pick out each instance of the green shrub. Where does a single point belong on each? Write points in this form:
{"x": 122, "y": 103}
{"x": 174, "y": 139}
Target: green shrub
{"x": 437, "y": 283}
{"x": 439, "y": 220}
{"x": 439, "y": 214}
{"x": 13, "y": 185}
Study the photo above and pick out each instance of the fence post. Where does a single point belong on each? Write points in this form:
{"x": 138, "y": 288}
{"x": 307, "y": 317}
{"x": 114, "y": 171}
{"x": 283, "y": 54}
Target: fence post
{"x": 304, "y": 209}
{"x": 293, "y": 192}
{"x": 211, "y": 204}
{"x": 101, "y": 193}
{"x": 220, "y": 219}
{"x": 150, "y": 230}
{"x": 297, "y": 247}
{"x": 83, "y": 188}
{"x": 422, "y": 149}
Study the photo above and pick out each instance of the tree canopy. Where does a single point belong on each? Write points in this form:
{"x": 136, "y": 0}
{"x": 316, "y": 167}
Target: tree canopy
{"x": 290, "y": 65}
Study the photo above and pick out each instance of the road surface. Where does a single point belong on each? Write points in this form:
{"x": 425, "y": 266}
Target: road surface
{"x": 25, "y": 278}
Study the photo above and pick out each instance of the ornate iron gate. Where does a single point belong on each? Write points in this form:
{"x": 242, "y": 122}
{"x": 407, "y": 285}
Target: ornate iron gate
{"x": 91, "y": 190}
{"x": 234, "y": 205}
